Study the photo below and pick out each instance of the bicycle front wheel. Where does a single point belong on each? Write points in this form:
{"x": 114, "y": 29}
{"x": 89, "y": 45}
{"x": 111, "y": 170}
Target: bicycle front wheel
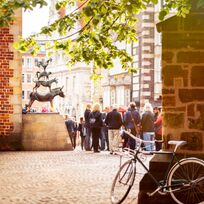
{"x": 123, "y": 182}
{"x": 186, "y": 181}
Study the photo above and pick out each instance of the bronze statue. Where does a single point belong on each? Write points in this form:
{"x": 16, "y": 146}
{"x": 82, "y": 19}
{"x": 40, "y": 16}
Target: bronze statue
{"x": 45, "y": 98}
{"x": 44, "y": 65}
{"x": 44, "y": 83}
{"x": 43, "y": 74}
{"x": 48, "y": 97}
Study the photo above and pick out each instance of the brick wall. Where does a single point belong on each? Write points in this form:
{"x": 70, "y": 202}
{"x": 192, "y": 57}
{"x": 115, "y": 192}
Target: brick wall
{"x": 183, "y": 79}
{"x": 10, "y": 87}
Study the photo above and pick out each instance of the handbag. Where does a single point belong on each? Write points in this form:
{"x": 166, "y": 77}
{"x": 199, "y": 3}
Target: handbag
{"x": 92, "y": 120}
{"x": 137, "y": 127}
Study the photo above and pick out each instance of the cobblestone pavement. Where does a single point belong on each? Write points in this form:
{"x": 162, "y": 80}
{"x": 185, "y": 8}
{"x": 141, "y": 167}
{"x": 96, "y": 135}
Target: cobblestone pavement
{"x": 59, "y": 177}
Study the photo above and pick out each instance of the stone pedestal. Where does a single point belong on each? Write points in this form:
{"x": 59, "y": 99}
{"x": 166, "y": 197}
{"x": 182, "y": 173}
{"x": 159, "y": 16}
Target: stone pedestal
{"x": 44, "y": 131}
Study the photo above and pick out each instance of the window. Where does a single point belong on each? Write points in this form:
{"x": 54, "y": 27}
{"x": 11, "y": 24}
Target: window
{"x": 36, "y": 62}
{"x": 28, "y": 78}
{"x": 67, "y": 83}
{"x": 23, "y": 78}
{"x": 74, "y": 83}
{"x": 28, "y": 94}
{"x": 23, "y": 63}
{"x": 113, "y": 96}
{"x": 29, "y": 62}
{"x": 23, "y": 94}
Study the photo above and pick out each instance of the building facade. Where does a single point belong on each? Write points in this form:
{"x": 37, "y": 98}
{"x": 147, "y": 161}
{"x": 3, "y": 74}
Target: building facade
{"x": 146, "y": 83}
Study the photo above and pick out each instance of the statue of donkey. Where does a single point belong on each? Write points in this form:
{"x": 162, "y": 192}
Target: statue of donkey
{"x": 44, "y": 83}
{"x": 45, "y": 98}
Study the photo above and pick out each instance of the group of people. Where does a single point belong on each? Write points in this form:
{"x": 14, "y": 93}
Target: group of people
{"x": 104, "y": 130}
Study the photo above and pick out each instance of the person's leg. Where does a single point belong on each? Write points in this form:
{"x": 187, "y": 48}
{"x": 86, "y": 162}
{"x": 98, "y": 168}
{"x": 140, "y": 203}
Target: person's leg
{"x": 74, "y": 139}
{"x": 110, "y": 137}
{"x": 94, "y": 139}
{"x": 158, "y": 144}
{"x": 116, "y": 139}
{"x": 98, "y": 132}
{"x": 82, "y": 142}
{"x": 106, "y": 139}
{"x": 87, "y": 139}
{"x": 131, "y": 141}
{"x": 152, "y": 138}
{"x": 149, "y": 136}
{"x": 146, "y": 137}
{"x": 102, "y": 138}
{"x": 71, "y": 139}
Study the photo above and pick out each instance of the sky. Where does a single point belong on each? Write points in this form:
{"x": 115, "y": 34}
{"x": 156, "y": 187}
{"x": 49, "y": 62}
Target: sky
{"x": 34, "y": 20}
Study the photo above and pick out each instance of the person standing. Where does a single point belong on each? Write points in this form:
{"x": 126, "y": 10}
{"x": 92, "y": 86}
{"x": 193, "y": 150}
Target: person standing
{"x": 131, "y": 121}
{"x": 114, "y": 122}
{"x": 147, "y": 124}
{"x": 158, "y": 130}
{"x": 96, "y": 123}
{"x": 104, "y": 132}
{"x": 87, "y": 128}
{"x": 81, "y": 131}
{"x": 71, "y": 128}
{"x": 156, "y": 113}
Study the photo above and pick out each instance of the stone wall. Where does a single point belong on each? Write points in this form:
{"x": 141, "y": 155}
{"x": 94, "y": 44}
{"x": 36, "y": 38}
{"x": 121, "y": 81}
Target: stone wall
{"x": 183, "y": 79}
{"x": 10, "y": 87}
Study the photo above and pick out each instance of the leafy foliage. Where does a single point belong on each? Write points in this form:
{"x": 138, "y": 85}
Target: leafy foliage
{"x": 91, "y": 32}
{"x": 7, "y": 8}
{"x": 183, "y": 8}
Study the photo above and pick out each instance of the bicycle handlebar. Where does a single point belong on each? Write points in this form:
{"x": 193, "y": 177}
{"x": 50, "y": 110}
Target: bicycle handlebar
{"x": 138, "y": 139}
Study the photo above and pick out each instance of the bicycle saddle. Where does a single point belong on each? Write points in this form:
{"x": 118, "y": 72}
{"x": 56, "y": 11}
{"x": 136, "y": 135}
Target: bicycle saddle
{"x": 177, "y": 143}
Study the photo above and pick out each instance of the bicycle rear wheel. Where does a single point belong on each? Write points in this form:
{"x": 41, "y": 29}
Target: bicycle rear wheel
{"x": 123, "y": 182}
{"x": 186, "y": 181}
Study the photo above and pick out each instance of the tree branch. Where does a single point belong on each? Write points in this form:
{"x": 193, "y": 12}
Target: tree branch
{"x": 68, "y": 36}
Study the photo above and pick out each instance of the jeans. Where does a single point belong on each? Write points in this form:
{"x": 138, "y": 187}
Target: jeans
{"x": 88, "y": 139}
{"x": 104, "y": 138}
{"x": 148, "y": 136}
{"x": 131, "y": 141}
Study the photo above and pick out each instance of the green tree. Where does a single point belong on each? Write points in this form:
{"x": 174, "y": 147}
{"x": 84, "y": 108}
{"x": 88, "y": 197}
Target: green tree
{"x": 103, "y": 24}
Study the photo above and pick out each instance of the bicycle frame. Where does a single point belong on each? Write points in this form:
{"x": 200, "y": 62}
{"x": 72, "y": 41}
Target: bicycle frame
{"x": 176, "y": 177}
{"x": 159, "y": 183}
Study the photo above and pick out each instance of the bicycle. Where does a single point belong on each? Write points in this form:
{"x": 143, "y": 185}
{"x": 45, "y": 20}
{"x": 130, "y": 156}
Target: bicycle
{"x": 184, "y": 179}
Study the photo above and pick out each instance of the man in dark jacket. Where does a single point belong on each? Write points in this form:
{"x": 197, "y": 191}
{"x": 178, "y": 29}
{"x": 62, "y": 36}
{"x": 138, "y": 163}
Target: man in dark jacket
{"x": 87, "y": 128}
{"x": 71, "y": 128}
{"x": 148, "y": 126}
{"x": 114, "y": 122}
{"x": 131, "y": 121}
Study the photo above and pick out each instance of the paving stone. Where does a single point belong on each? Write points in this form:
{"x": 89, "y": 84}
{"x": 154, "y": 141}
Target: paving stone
{"x": 59, "y": 177}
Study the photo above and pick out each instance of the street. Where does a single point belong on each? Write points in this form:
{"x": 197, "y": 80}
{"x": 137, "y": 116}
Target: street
{"x": 59, "y": 177}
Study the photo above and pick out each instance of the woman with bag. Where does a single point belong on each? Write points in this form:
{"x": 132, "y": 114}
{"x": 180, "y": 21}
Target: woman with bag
{"x": 96, "y": 123}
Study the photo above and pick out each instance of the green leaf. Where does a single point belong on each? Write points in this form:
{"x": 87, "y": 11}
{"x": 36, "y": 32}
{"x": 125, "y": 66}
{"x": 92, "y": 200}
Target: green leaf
{"x": 162, "y": 14}
{"x": 200, "y": 4}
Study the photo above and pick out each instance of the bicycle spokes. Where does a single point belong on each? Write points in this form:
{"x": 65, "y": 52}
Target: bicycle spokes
{"x": 186, "y": 181}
